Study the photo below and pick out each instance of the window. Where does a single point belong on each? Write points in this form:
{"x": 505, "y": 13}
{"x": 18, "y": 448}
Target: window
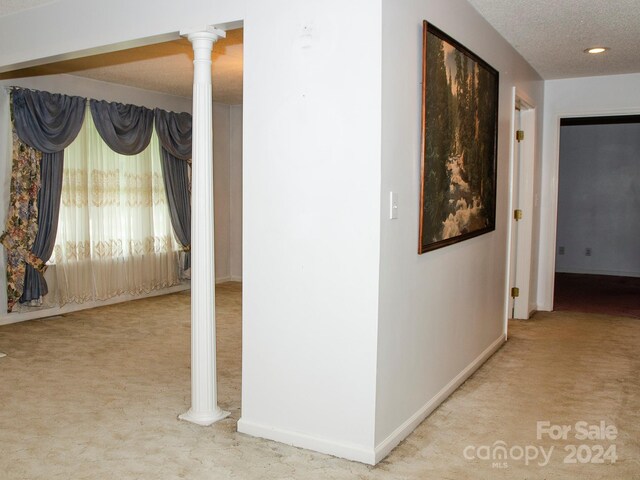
{"x": 114, "y": 232}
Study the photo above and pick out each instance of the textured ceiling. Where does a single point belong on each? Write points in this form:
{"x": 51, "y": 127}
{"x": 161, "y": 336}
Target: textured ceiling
{"x": 552, "y": 34}
{"x": 163, "y": 67}
{"x": 7, "y": 7}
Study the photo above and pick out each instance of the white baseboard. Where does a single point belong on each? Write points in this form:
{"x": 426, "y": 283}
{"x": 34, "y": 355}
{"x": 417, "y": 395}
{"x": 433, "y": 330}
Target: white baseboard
{"x": 230, "y": 278}
{"x": 350, "y": 452}
{"x": 370, "y": 456}
{"x": 45, "y": 312}
{"x": 75, "y": 307}
{"x": 384, "y": 448}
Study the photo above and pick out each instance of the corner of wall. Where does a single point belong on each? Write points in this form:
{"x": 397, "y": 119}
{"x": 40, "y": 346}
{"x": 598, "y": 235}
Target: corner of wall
{"x": 356, "y": 453}
{"x": 385, "y": 447}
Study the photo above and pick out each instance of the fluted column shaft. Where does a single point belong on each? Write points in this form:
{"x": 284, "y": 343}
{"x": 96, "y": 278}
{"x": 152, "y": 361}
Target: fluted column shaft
{"x": 204, "y": 402}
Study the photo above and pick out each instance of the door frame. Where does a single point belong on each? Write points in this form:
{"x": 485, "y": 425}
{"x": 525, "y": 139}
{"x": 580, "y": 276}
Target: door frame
{"x": 549, "y": 188}
{"x": 523, "y": 186}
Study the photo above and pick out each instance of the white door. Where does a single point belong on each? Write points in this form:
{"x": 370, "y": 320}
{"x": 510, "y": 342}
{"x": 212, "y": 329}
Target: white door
{"x": 522, "y": 212}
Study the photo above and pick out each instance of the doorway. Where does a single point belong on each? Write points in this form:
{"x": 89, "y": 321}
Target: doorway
{"x": 597, "y": 259}
{"x": 130, "y": 76}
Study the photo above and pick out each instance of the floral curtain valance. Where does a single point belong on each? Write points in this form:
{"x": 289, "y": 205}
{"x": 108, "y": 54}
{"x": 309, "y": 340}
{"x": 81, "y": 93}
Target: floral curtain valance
{"x": 126, "y": 129}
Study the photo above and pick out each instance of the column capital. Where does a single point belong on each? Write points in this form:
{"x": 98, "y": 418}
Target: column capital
{"x": 203, "y": 31}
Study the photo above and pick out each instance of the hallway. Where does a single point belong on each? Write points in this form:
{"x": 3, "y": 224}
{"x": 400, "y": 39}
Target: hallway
{"x": 95, "y": 395}
{"x": 603, "y": 294}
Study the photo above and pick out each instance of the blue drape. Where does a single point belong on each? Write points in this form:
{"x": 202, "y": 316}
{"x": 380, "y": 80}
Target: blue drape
{"x": 174, "y": 133}
{"x": 49, "y": 123}
{"x": 126, "y": 129}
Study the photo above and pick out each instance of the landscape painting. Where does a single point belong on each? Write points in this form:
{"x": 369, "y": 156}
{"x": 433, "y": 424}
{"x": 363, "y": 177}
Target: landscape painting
{"x": 459, "y": 140}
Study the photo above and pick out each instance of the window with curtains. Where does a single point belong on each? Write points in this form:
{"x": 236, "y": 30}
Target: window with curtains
{"x": 114, "y": 231}
{"x": 103, "y": 192}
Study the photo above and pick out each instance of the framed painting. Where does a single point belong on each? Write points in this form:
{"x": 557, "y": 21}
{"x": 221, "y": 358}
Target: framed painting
{"x": 459, "y": 142}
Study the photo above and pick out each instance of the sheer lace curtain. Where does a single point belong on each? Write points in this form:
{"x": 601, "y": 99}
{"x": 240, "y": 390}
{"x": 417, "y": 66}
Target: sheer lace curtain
{"x": 114, "y": 235}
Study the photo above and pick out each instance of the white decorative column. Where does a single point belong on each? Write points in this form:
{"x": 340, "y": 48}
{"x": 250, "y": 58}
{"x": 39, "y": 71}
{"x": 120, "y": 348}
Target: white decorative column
{"x": 204, "y": 399}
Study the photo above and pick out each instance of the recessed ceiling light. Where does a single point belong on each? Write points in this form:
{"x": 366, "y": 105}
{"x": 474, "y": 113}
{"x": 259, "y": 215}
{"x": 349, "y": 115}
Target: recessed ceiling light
{"x": 596, "y": 50}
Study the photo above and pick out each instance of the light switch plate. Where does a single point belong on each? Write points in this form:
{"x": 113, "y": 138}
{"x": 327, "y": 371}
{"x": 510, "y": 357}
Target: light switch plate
{"x": 393, "y": 203}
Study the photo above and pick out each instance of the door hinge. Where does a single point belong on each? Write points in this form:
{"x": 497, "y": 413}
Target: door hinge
{"x": 519, "y": 135}
{"x": 517, "y": 214}
{"x": 515, "y": 292}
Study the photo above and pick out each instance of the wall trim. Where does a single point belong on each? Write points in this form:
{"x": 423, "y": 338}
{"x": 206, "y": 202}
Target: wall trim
{"x": 54, "y": 311}
{"x": 354, "y": 452}
{"x": 360, "y": 453}
{"x": 228, "y": 278}
{"x": 384, "y": 448}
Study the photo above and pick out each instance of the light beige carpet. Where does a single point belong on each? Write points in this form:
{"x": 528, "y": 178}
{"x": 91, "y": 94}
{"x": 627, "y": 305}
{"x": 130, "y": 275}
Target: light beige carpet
{"x": 95, "y": 395}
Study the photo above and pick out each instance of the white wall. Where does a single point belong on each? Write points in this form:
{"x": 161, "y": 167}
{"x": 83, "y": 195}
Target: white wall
{"x": 221, "y": 188}
{"x": 311, "y": 195}
{"x": 599, "y": 199}
{"x": 235, "y": 192}
{"x": 576, "y": 97}
{"x": 227, "y": 175}
{"x": 441, "y": 313}
{"x": 311, "y": 226}
{"x": 5, "y": 185}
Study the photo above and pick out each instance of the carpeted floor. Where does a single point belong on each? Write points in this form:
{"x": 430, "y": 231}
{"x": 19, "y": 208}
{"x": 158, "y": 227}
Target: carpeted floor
{"x": 95, "y": 395}
{"x": 605, "y": 294}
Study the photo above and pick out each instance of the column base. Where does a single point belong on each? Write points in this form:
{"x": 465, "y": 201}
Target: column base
{"x": 204, "y": 419}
